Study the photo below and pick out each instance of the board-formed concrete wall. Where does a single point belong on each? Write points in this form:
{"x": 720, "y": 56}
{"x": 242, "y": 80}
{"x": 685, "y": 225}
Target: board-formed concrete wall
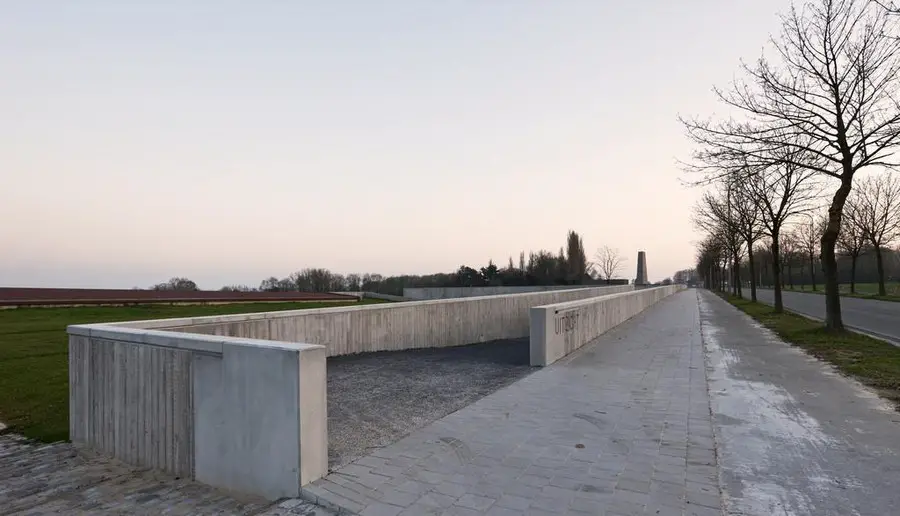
{"x": 387, "y": 327}
{"x": 561, "y": 328}
{"x": 429, "y": 293}
{"x": 239, "y": 414}
{"x": 237, "y": 401}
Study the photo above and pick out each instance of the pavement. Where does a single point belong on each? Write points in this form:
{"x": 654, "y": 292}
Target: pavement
{"x": 621, "y": 427}
{"x": 43, "y": 479}
{"x": 794, "y": 436}
{"x": 690, "y": 408}
{"x": 879, "y": 318}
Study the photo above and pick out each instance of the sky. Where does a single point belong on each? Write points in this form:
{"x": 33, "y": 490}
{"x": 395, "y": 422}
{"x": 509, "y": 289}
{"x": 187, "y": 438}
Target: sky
{"x": 230, "y": 141}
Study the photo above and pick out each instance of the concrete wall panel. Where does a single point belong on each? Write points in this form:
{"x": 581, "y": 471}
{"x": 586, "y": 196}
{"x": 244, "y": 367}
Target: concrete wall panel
{"x": 561, "y": 328}
{"x": 392, "y": 327}
{"x": 133, "y": 402}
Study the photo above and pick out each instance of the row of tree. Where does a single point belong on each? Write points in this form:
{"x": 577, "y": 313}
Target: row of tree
{"x": 570, "y": 266}
{"x": 813, "y": 115}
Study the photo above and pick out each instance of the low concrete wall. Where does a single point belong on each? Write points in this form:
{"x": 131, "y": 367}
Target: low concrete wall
{"x": 561, "y": 328}
{"x": 238, "y": 414}
{"x": 429, "y": 293}
{"x": 234, "y": 401}
{"x": 386, "y": 327}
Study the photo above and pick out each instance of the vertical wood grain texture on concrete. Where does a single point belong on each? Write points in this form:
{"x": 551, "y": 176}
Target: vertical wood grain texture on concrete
{"x": 132, "y": 402}
{"x": 561, "y": 328}
{"x": 392, "y": 327}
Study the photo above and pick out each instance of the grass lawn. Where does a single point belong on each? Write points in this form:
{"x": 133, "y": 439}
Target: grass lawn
{"x": 863, "y": 290}
{"x": 871, "y": 361}
{"x": 34, "y": 370}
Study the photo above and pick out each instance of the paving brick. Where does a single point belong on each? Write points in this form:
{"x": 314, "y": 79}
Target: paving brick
{"x": 381, "y": 509}
{"x": 470, "y": 501}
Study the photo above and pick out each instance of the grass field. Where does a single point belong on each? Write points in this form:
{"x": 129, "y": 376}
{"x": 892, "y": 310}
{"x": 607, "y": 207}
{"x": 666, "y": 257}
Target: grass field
{"x": 863, "y": 290}
{"x": 873, "y": 362}
{"x": 34, "y": 375}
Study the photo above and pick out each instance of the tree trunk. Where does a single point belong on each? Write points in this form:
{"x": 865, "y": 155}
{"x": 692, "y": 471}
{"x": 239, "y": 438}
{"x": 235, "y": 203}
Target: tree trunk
{"x": 776, "y": 273}
{"x": 791, "y": 276}
{"x": 736, "y": 275}
{"x": 879, "y": 261}
{"x": 752, "y": 272}
{"x": 833, "y": 319}
{"x": 853, "y": 274}
{"x": 812, "y": 271}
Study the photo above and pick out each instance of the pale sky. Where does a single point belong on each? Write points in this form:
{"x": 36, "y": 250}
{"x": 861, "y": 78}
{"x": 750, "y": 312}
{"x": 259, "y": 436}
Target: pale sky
{"x": 229, "y": 141}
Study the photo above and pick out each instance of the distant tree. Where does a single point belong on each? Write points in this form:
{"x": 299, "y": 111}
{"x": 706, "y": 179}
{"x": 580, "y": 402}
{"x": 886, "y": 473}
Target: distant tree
{"x": 852, "y": 239}
{"x": 877, "y": 214}
{"x": 182, "y": 284}
{"x": 490, "y": 274}
{"x": 522, "y": 261}
{"x": 608, "y": 261}
{"x": 809, "y": 234}
{"x": 576, "y": 260}
{"x": 235, "y": 288}
{"x": 469, "y": 277}
{"x": 269, "y": 284}
{"x": 354, "y": 282}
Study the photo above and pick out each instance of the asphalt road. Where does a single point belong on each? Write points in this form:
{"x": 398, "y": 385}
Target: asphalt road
{"x": 880, "y": 318}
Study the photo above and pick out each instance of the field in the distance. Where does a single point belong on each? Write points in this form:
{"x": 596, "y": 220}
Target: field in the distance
{"x": 34, "y": 374}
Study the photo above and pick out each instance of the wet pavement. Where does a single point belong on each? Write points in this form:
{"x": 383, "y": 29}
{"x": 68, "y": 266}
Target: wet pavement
{"x": 794, "y": 436}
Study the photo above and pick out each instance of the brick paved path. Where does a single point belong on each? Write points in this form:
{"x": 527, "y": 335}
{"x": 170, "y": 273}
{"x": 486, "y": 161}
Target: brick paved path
{"x": 54, "y": 479}
{"x": 622, "y": 427}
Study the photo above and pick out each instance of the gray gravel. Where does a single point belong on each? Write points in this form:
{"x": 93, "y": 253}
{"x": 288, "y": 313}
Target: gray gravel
{"x": 374, "y": 399}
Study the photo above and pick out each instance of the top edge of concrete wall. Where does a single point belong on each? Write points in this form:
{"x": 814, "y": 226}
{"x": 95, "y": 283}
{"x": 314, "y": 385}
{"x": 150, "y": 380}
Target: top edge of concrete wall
{"x": 580, "y": 302}
{"x": 188, "y": 341}
{"x": 212, "y": 319}
{"x": 431, "y": 293}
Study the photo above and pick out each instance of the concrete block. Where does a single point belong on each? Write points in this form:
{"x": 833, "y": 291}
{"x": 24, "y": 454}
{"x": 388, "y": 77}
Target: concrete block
{"x": 559, "y": 329}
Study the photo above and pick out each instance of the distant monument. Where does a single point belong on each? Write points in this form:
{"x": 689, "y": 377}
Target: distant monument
{"x": 641, "y": 279}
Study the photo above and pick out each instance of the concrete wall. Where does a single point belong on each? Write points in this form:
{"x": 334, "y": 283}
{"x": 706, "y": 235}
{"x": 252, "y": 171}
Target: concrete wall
{"x": 561, "y": 328}
{"x": 239, "y": 414}
{"x": 234, "y": 401}
{"x": 387, "y": 327}
{"x": 428, "y": 293}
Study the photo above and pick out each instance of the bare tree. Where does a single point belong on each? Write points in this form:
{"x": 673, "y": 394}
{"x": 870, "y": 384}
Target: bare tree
{"x": 781, "y": 192}
{"x": 717, "y": 214}
{"x": 809, "y": 235}
{"x": 176, "y": 284}
{"x": 609, "y": 261}
{"x": 789, "y": 246}
{"x": 876, "y": 213}
{"x": 830, "y": 94}
{"x": 852, "y": 239}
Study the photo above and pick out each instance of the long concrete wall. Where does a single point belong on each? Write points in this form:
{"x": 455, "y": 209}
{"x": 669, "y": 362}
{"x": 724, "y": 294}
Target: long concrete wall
{"x": 561, "y": 328}
{"x": 239, "y": 414}
{"x": 236, "y": 401}
{"x": 429, "y": 293}
{"x": 387, "y": 327}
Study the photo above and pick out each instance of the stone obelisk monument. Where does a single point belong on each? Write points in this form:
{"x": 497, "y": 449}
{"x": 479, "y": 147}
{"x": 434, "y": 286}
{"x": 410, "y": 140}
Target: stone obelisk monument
{"x": 641, "y": 279}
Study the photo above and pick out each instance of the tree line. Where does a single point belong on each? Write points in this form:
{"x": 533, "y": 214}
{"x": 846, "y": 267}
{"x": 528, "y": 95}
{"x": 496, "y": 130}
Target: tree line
{"x": 568, "y": 266}
{"x": 800, "y": 175}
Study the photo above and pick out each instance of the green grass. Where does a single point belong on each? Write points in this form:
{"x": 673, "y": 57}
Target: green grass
{"x": 34, "y": 374}
{"x": 873, "y": 362}
{"x": 863, "y": 290}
